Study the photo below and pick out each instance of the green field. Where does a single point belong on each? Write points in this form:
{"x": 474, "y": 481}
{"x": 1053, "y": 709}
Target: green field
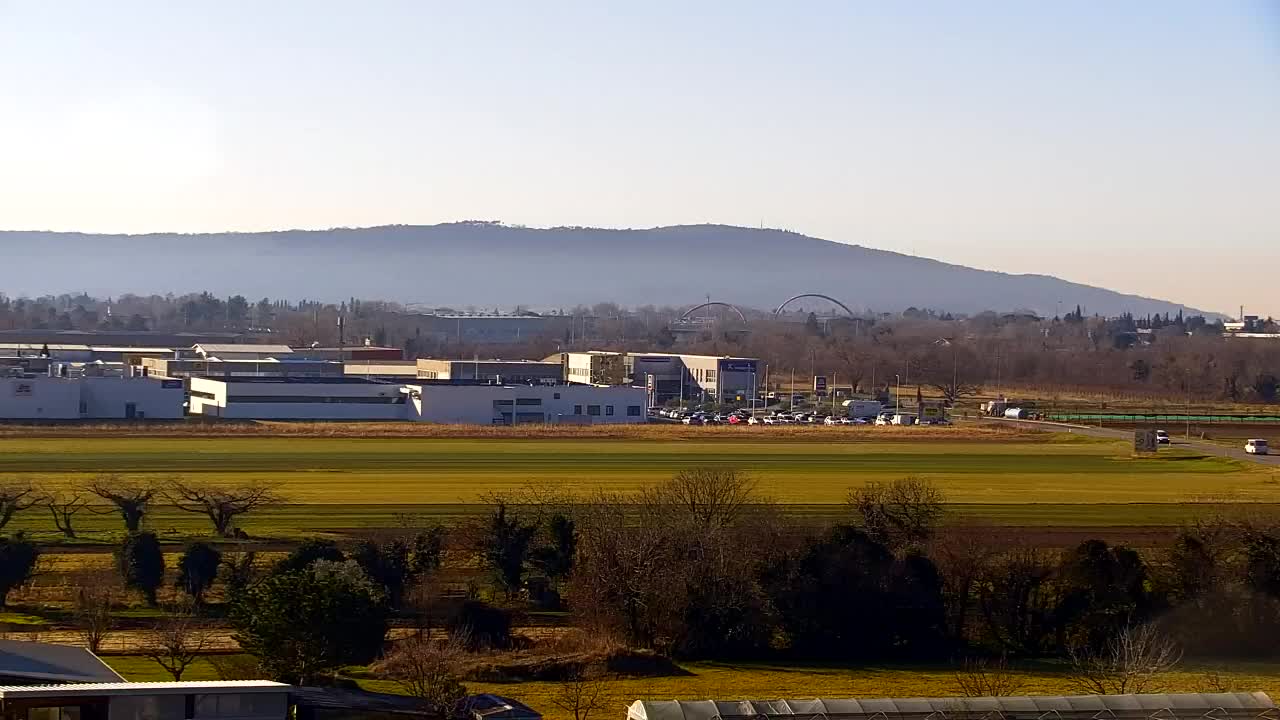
{"x": 349, "y": 483}
{"x": 761, "y": 681}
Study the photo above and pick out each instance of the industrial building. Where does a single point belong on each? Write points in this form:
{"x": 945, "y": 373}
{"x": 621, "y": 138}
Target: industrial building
{"x": 296, "y": 398}
{"x": 185, "y": 367}
{"x": 382, "y": 369}
{"x": 668, "y": 376}
{"x": 49, "y": 397}
{"x": 522, "y": 372}
{"x": 238, "y": 699}
{"x": 494, "y": 329}
{"x": 553, "y": 404}
{"x": 1188, "y": 706}
{"x": 210, "y": 351}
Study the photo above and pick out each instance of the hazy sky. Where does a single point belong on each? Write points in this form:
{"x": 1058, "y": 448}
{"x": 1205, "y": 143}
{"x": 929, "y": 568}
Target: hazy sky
{"x": 1134, "y": 145}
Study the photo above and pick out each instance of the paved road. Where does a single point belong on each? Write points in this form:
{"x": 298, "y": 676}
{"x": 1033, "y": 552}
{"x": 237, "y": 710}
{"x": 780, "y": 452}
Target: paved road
{"x": 1208, "y": 448}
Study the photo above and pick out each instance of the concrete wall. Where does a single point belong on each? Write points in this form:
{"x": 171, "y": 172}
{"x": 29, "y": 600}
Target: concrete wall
{"x": 297, "y": 400}
{"x": 488, "y": 405}
{"x": 39, "y": 398}
{"x": 153, "y": 399}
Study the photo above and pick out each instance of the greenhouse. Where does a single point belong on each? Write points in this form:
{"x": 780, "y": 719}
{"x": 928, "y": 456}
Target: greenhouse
{"x": 1206, "y": 706}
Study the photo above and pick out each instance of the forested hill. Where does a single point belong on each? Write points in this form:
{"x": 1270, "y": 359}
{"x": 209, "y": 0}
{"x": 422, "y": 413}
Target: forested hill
{"x": 492, "y": 265}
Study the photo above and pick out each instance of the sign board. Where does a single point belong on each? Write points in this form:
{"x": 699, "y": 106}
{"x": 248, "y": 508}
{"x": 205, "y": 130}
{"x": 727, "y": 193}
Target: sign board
{"x": 931, "y": 412}
{"x": 1144, "y": 441}
{"x": 171, "y": 384}
{"x": 648, "y": 382}
{"x": 747, "y": 366}
{"x": 820, "y": 383}
{"x": 22, "y": 388}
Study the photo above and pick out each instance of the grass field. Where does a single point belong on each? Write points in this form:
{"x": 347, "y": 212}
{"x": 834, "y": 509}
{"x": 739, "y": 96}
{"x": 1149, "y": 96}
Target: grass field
{"x": 345, "y": 483}
{"x": 766, "y": 681}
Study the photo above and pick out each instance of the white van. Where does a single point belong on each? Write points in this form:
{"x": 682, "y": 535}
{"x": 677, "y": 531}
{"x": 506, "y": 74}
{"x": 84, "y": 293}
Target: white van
{"x": 903, "y": 419}
{"x": 1256, "y": 446}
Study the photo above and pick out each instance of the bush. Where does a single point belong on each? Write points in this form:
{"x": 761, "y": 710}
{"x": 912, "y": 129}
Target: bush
{"x": 141, "y": 564}
{"x": 480, "y": 625}
{"x": 18, "y": 559}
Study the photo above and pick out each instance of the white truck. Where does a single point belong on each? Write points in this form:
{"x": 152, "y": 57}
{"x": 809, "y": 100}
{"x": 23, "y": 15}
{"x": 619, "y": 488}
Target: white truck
{"x": 867, "y": 409}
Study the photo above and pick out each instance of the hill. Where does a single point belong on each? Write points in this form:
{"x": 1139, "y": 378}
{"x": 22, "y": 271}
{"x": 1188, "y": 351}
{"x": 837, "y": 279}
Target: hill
{"x": 492, "y": 265}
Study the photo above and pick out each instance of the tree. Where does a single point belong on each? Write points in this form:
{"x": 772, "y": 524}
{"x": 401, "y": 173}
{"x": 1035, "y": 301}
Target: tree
{"x": 18, "y": 558}
{"x": 555, "y": 558}
{"x": 222, "y": 505}
{"x": 428, "y": 670}
{"x": 239, "y": 571}
{"x": 93, "y": 619}
{"x": 988, "y": 677}
{"x": 1130, "y": 662}
{"x": 131, "y": 500}
{"x": 305, "y": 624}
{"x": 308, "y": 552}
{"x": 579, "y": 694}
{"x": 715, "y": 498}
{"x": 141, "y": 564}
{"x": 63, "y": 508}
{"x": 197, "y": 570}
{"x": 14, "y": 498}
{"x": 898, "y": 514}
{"x": 397, "y": 562}
{"x": 505, "y": 545}
{"x": 175, "y": 643}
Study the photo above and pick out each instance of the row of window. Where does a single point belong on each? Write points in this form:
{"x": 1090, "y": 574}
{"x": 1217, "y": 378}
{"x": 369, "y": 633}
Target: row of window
{"x": 701, "y": 375}
{"x": 294, "y": 399}
{"x": 594, "y": 410}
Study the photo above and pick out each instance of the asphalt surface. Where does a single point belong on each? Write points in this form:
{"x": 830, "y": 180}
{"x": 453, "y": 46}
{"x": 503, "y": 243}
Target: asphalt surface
{"x": 1208, "y": 448}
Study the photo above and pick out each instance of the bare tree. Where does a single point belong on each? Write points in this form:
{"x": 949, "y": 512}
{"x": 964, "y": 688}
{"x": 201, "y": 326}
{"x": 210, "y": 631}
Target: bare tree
{"x": 14, "y": 498}
{"x": 240, "y": 570}
{"x": 903, "y": 512}
{"x": 222, "y": 505}
{"x": 64, "y": 507}
{"x": 715, "y": 498}
{"x": 428, "y": 670}
{"x": 580, "y": 694}
{"x": 130, "y": 499}
{"x": 94, "y": 596}
{"x": 174, "y": 644}
{"x": 981, "y": 677}
{"x": 1130, "y": 662}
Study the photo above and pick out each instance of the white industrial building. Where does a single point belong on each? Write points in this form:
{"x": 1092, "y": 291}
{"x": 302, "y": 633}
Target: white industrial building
{"x": 553, "y": 404}
{"x": 42, "y": 397}
{"x": 296, "y": 398}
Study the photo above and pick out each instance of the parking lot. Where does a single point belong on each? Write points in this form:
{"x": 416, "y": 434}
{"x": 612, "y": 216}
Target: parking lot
{"x": 774, "y": 418}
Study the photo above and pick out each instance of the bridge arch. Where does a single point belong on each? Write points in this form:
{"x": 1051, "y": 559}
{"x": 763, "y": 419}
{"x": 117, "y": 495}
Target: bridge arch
{"x": 696, "y": 308}
{"x": 813, "y": 295}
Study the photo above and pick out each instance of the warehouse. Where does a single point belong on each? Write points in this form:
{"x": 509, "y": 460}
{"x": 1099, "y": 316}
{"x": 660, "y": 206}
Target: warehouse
{"x": 555, "y": 404}
{"x": 296, "y": 398}
{"x": 41, "y": 397}
{"x": 214, "y": 367}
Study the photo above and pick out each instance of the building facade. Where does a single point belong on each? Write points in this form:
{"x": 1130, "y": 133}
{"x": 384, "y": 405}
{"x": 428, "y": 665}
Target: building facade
{"x": 523, "y": 372}
{"x": 551, "y": 404}
{"x": 41, "y": 397}
{"x": 296, "y": 398}
{"x": 695, "y": 378}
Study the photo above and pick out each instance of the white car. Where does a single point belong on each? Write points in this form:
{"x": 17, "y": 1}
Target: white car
{"x": 1162, "y": 437}
{"x": 1256, "y": 446}
{"x": 831, "y": 420}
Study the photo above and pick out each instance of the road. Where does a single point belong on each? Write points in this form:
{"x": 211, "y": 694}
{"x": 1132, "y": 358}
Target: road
{"x": 1208, "y": 448}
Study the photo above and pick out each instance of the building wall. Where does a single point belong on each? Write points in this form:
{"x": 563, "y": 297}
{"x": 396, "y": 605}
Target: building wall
{"x": 296, "y": 400}
{"x": 39, "y": 398}
{"x": 107, "y": 398}
{"x": 488, "y": 405}
{"x": 514, "y": 371}
{"x": 404, "y": 369}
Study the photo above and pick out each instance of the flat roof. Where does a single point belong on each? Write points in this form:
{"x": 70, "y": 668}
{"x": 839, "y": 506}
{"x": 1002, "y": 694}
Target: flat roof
{"x": 292, "y": 380}
{"x": 148, "y": 688}
{"x": 242, "y": 348}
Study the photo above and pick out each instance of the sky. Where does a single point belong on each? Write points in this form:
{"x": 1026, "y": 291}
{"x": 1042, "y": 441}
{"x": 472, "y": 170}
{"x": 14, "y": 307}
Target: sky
{"x": 1133, "y": 145}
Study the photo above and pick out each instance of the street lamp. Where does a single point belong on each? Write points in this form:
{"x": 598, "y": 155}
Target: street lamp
{"x": 897, "y": 395}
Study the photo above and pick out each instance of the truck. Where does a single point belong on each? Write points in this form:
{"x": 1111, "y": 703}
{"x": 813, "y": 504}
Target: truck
{"x": 867, "y": 409}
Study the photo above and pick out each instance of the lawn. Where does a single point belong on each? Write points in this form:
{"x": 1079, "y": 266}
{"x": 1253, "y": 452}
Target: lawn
{"x": 350, "y": 482}
{"x": 708, "y": 680}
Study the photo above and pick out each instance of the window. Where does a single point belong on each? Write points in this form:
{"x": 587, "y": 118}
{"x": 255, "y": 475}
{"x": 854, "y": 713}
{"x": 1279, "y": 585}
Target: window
{"x": 593, "y": 410}
{"x": 577, "y": 409}
{"x": 633, "y": 411}
{"x": 608, "y": 409}
{"x": 711, "y": 376}
{"x": 555, "y": 396}
{"x": 528, "y": 401}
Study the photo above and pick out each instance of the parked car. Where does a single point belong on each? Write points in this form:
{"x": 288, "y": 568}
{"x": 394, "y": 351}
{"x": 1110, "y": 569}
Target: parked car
{"x": 753, "y": 420}
{"x": 692, "y": 420}
{"x": 832, "y": 420}
{"x": 1162, "y": 437}
{"x": 884, "y": 420}
{"x": 1256, "y": 446}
